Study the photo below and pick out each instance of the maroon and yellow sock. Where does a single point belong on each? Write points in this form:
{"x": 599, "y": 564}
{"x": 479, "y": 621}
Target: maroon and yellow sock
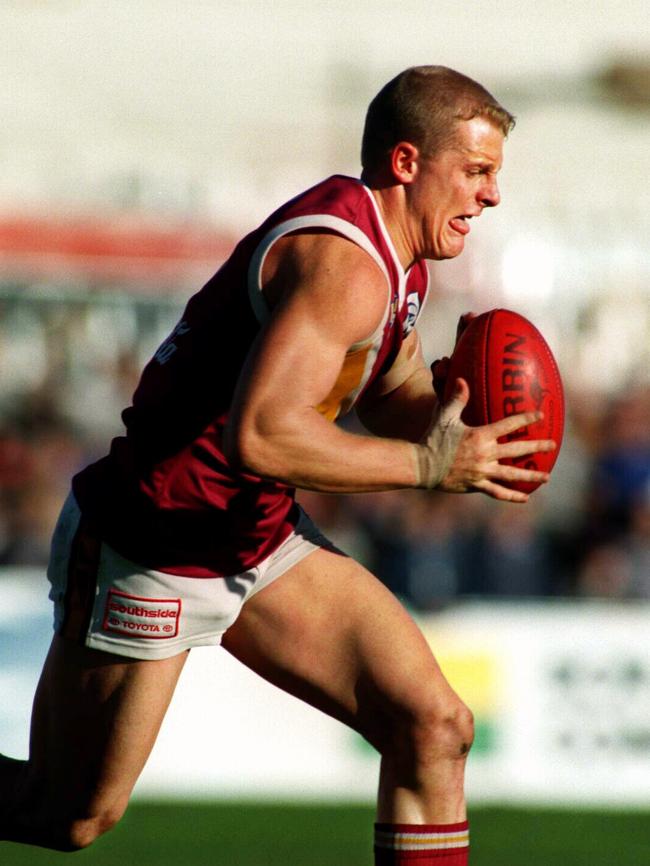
{"x": 421, "y": 844}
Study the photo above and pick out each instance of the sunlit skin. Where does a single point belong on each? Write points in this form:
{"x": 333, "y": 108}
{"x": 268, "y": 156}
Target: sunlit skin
{"x": 428, "y": 209}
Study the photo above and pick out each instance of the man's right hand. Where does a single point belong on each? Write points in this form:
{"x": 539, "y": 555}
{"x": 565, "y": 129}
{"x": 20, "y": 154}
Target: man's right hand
{"x": 460, "y": 459}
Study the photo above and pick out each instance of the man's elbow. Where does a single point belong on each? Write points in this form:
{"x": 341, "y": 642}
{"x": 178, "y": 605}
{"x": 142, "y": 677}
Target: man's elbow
{"x": 237, "y": 447}
{"x": 249, "y": 451}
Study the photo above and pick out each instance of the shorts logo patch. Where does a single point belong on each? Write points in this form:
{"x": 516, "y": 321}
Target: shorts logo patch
{"x": 156, "y": 618}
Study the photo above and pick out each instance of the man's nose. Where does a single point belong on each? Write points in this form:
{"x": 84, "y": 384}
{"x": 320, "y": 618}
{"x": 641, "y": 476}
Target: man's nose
{"x": 490, "y": 195}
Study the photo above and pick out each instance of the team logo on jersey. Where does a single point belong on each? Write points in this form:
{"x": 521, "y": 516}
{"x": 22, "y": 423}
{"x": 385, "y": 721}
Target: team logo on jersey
{"x": 412, "y": 312}
{"x": 141, "y": 617}
{"x": 168, "y": 347}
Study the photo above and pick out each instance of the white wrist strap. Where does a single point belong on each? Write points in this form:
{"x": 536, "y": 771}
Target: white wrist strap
{"x": 433, "y": 458}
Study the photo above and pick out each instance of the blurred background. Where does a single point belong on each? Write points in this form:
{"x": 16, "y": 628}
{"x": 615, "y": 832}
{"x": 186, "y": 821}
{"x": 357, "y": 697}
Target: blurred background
{"x": 138, "y": 143}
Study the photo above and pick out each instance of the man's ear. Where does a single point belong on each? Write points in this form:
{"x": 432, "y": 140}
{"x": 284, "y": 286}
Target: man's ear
{"x": 404, "y": 161}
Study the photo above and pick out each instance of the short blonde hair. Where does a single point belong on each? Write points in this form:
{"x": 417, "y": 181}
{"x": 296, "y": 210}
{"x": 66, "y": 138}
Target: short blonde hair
{"x": 423, "y": 105}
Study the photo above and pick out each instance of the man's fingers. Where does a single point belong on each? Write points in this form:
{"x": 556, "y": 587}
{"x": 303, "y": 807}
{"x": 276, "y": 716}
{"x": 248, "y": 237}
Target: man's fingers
{"x": 457, "y": 402}
{"x": 439, "y": 370}
{"x": 440, "y": 367}
{"x": 521, "y": 447}
{"x": 504, "y": 494}
{"x": 515, "y": 422}
{"x": 463, "y": 322}
{"x": 515, "y": 473}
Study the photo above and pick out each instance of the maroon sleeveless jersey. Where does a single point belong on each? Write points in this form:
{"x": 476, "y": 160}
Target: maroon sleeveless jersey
{"x": 166, "y": 496}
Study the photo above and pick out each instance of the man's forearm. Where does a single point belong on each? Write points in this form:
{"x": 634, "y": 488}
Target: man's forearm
{"x": 311, "y": 453}
{"x": 404, "y": 413}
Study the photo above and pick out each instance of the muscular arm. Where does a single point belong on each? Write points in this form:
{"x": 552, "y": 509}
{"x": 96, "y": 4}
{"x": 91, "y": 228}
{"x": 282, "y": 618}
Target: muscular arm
{"x": 330, "y": 295}
{"x": 327, "y": 295}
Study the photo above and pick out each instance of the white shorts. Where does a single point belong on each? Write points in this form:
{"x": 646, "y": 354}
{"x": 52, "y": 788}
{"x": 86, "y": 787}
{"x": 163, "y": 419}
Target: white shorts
{"x": 106, "y": 602}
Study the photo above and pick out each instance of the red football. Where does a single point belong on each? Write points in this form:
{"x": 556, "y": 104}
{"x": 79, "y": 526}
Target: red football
{"x": 510, "y": 368}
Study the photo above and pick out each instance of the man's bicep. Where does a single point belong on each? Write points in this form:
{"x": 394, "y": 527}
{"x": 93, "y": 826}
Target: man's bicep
{"x": 332, "y": 295}
{"x": 294, "y": 363}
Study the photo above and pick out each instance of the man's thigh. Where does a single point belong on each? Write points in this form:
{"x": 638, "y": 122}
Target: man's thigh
{"x": 96, "y": 717}
{"x": 331, "y": 634}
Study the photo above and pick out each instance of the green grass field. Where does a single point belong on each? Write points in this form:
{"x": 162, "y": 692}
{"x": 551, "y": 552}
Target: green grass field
{"x": 245, "y": 834}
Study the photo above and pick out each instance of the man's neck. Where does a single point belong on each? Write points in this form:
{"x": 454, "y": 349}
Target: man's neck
{"x": 391, "y": 204}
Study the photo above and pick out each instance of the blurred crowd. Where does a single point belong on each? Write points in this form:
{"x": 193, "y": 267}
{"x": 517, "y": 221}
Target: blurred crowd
{"x": 587, "y": 534}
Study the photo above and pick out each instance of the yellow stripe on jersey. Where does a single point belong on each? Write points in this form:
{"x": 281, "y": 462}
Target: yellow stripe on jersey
{"x": 346, "y": 384}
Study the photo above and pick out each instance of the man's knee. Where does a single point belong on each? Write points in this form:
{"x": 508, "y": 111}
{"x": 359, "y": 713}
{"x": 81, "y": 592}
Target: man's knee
{"x": 82, "y": 832}
{"x": 452, "y": 729}
{"x": 48, "y": 828}
{"x": 435, "y": 729}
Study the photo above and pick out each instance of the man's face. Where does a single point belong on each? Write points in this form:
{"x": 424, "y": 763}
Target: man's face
{"x": 452, "y": 187}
